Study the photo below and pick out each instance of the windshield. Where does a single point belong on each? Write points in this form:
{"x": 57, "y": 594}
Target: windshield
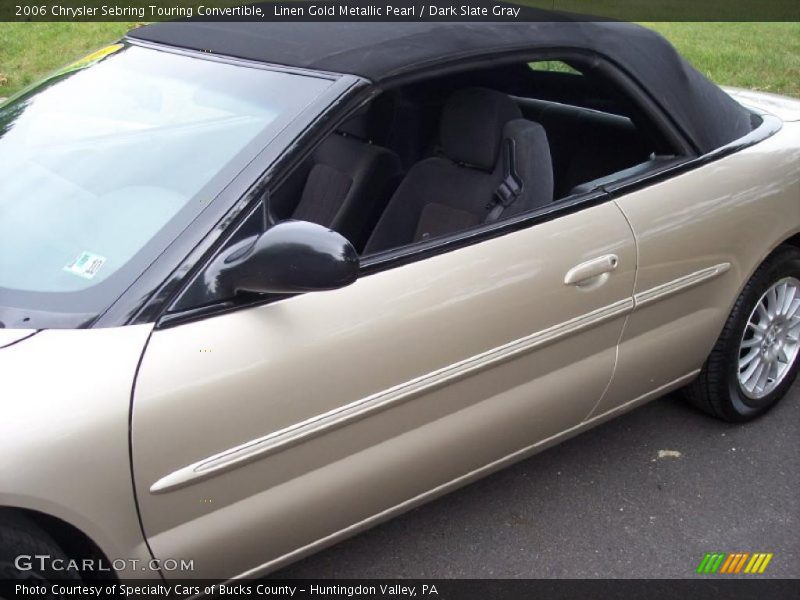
{"x": 99, "y": 158}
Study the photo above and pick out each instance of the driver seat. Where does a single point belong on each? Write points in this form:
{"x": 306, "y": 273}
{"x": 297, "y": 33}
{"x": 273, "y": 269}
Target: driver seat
{"x": 494, "y": 165}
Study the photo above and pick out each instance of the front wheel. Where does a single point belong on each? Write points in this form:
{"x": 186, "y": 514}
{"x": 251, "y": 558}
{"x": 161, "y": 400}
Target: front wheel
{"x": 26, "y": 556}
{"x": 754, "y": 361}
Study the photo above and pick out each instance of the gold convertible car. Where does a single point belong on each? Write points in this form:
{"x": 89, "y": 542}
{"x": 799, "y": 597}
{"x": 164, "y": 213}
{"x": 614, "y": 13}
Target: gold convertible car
{"x": 265, "y": 285}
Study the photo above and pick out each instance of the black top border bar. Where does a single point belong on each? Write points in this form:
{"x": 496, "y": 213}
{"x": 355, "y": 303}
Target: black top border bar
{"x": 398, "y": 10}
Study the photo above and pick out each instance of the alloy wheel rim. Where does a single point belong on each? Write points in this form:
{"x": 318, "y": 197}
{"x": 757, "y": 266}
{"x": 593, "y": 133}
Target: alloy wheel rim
{"x": 771, "y": 339}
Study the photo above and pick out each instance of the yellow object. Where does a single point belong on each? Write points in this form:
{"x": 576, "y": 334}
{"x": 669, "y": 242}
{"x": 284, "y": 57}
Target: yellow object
{"x": 91, "y": 59}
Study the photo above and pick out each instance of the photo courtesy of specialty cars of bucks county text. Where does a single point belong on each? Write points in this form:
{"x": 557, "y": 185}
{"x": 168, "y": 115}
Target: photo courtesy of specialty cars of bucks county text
{"x": 270, "y": 283}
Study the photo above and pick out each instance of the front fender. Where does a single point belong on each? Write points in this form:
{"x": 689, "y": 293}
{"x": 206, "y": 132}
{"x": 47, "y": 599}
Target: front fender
{"x": 64, "y": 449}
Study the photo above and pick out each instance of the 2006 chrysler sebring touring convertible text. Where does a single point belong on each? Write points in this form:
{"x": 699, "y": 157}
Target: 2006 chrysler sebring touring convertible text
{"x": 265, "y": 285}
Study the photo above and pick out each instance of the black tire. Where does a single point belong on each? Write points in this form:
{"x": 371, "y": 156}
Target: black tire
{"x": 716, "y": 390}
{"x": 20, "y": 536}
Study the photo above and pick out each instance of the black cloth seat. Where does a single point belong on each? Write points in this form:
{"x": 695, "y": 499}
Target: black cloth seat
{"x": 349, "y": 182}
{"x": 442, "y": 195}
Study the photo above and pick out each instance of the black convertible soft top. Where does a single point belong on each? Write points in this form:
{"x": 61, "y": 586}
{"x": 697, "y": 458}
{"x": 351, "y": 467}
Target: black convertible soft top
{"x": 381, "y": 51}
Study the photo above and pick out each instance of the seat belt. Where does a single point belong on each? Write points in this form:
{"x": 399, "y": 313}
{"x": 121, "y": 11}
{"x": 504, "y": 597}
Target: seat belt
{"x": 510, "y": 189}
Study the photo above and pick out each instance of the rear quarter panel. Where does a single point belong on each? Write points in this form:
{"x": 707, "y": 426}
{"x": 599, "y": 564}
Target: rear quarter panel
{"x": 735, "y": 211}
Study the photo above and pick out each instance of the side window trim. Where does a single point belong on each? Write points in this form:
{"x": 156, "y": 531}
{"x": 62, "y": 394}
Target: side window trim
{"x": 422, "y": 250}
{"x": 389, "y": 259}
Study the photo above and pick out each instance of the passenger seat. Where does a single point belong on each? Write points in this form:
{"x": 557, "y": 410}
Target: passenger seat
{"x": 349, "y": 182}
{"x": 495, "y": 164}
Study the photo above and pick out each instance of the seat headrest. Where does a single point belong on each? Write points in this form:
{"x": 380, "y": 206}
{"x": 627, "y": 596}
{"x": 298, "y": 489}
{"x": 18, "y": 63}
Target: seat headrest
{"x": 357, "y": 125}
{"x": 472, "y": 123}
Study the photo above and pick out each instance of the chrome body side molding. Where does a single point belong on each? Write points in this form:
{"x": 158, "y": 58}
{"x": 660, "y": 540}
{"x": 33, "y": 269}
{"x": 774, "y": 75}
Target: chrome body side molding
{"x": 359, "y": 409}
{"x": 659, "y": 292}
{"x": 465, "y": 479}
{"x": 323, "y": 423}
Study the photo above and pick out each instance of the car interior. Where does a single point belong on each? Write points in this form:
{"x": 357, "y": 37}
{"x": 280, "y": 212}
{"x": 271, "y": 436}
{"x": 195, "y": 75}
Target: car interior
{"x": 432, "y": 159}
{"x": 448, "y": 154}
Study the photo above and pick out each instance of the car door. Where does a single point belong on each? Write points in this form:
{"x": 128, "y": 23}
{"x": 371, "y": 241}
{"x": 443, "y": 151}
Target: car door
{"x": 267, "y": 432}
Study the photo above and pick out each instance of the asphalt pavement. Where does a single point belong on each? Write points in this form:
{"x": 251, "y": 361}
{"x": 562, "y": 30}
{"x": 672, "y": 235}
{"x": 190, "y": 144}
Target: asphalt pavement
{"x": 605, "y": 504}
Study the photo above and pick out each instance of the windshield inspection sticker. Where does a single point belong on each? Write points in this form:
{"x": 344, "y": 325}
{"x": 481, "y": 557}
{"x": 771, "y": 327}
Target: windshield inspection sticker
{"x": 86, "y": 265}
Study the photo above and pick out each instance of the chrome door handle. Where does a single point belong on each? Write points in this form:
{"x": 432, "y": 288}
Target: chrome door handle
{"x": 593, "y": 271}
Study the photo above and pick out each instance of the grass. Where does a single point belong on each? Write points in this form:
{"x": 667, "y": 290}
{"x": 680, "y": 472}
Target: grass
{"x": 762, "y": 56}
{"x": 28, "y": 51}
{"x": 759, "y": 56}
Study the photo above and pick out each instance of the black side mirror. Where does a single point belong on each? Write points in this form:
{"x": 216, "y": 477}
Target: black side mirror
{"x": 289, "y": 258}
